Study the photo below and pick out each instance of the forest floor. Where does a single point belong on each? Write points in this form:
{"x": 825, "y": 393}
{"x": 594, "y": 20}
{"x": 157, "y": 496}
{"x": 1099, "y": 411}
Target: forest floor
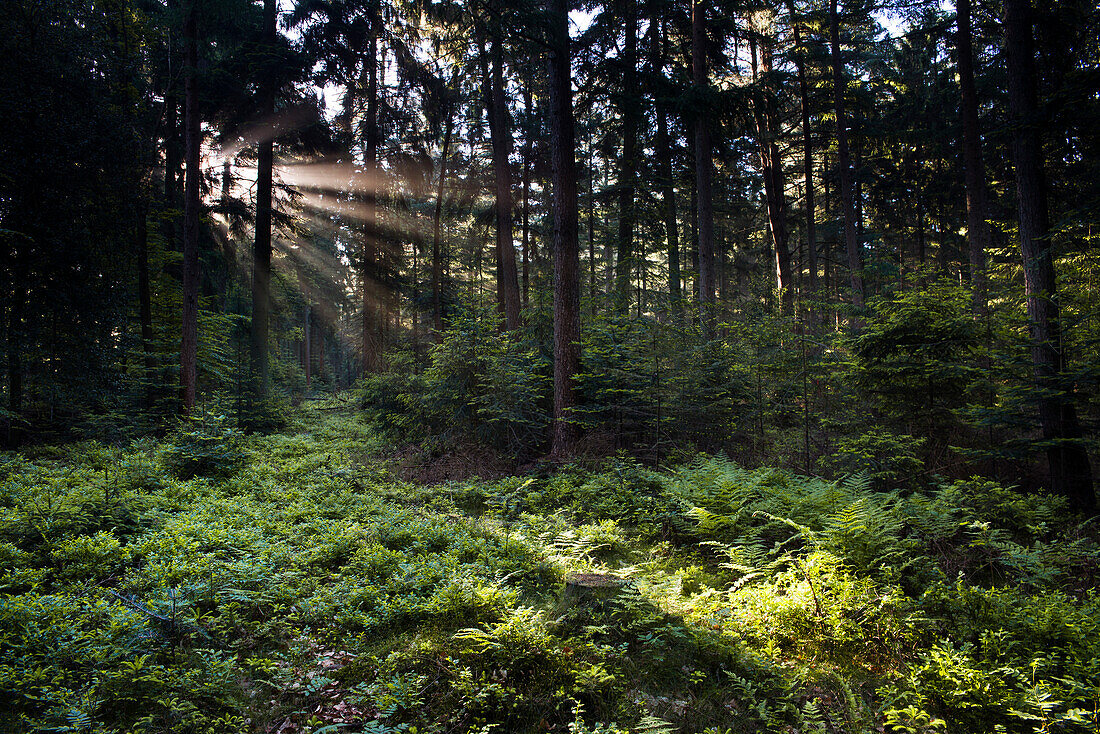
{"x": 216, "y": 582}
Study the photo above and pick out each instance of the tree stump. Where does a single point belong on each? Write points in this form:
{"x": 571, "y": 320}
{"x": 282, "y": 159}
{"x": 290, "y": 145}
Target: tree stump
{"x": 586, "y": 588}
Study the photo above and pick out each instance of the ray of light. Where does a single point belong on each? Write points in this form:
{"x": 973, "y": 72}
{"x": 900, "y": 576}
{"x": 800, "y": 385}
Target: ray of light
{"x": 403, "y": 228}
{"x": 268, "y": 128}
{"x": 305, "y": 256}
{"x": 348, "y": 177}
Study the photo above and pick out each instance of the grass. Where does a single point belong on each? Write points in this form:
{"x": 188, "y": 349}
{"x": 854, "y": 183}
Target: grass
{"x": 290, "y": 583}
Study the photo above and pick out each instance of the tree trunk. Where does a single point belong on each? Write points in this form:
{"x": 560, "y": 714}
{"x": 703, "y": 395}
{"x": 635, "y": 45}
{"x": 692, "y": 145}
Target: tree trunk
{"x": 703, "y": 166}
{"x": 844, "y": 164}
{"x": 807, "y": 162}
{"x": 501, "y": 135}
{"x": 1070, "y": 470}
{"x": 566, "y": 253}
{"x": 307, "y": 344}
{"x": 191, "y": 203}
{"x": 15, "y": 358}
{"x": 592, "y": 290}
{"x": 692, "y": 245}
{"x": 663, "y": 150}
{"x": 173, "y": 151}
{"x": 437, "y": 217}
{"x": 261, "y": 251}
{"x": 370, "y": 267}
{"x": 772, "y": 168}
{"x": 526, "y": 230}
{"x": 978, "y": 234}
{"x": 922, "y": 244}
{"x": 145, "y": 303}
{"x": 629, "y": 110}
{"x": 173, "y": 159}
{"x": 318, "y": 345}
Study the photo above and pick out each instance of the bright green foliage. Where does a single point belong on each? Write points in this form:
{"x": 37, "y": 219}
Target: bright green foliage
{"x": 914, "y": 356}
{"x": 303, "y": 583}
{"x": 655, "y": 389}
{"x": 891, "y": 461}
{"x": 659, "y": 388}
{"x": 204, "y": 446}
{"x": 479, "y": 382}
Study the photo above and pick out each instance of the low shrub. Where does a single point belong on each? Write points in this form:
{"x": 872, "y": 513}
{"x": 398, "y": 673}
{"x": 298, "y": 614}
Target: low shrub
{"x": 204, "y": 446}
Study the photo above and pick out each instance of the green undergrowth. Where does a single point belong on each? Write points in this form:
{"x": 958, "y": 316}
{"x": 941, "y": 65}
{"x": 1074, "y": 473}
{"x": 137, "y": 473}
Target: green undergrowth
{"x": 223, "y": 582}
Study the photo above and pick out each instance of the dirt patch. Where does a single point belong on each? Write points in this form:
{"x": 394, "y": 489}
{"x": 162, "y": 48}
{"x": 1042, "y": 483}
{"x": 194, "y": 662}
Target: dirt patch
{"x": 428, "y": 466}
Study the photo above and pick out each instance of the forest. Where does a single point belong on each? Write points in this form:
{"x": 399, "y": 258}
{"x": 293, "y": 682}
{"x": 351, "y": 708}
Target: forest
{"x": 603, "y": 367}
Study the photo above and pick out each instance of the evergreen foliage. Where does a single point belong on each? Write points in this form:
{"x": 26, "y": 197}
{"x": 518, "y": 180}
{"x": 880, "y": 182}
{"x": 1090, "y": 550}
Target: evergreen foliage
{"x": 304, "y": 587}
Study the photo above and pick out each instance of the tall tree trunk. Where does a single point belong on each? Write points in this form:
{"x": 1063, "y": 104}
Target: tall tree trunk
{"x": 173, "y": 150}
{"x": 771, "y": 166}
{"x": 857, "y": 177}
{"x": 261, "y": 251}
{"x": 1070, "y": 470}
{"x": 173, "y": 159}
{"x": 722, "y": 258}
{"x": 663, "y": 150}
{"x": 437, "y": 217}
{"x": 807, "y": 161}
{"x": 922, "y": 244}
{"x": 566, "y": 252}
{"x": 307, "y": 342}
{"x": 703, "y": 167}
{"x": 318, "y": 342}
{"x": 145, "y": 303}
{"x": 371, "y": 280}
{"x": 526, "y": 228}
{"x": 15, "y": 357}
{"x": 978, "y": 234}
{"x": 629, "y": 111}
{"x": 668, "y": 201}
{"x": 501, "y": 135}
{"x": 693, "y": 205}
{"x": 940, "y": 226}
{"x": 191, "y": 202}
{"x": 844, "y": 163}
{"x": 592, "y": 291}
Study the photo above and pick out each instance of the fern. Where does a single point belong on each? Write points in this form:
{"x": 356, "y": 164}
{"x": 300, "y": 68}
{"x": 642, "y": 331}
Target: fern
{"x": 654, "y": 725}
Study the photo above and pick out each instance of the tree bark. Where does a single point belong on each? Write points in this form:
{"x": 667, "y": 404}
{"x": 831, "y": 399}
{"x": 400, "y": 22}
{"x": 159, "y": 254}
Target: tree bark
{"x": 501, "y": 138}
{"x": 526, "y": 226}
{"x": 663, "y": 150}
{"x": 978, "y": 235}
{"x": 437, "y": 241}
{"x": 370, "y": 253}
{"x": 922, "y": 244}
{"x": 844, "y": 164}
{"x": 172, "y": 173}
{"x": 307, "y": 345}
{"x": 15, "y": 357}
{"x": 592, "y": 289}
{"x": 191, "y": 203}
{"x": 261, "y": 251}
{"x": 629, "y": 111}
{"x": 565, "y": 242}
{"x": 145, "y": 304}
{"x": 771, "y": 166}
{"x": 1070, "y": 470}
{"x": 807, "y": 162}
{"x": 703, "y": 167}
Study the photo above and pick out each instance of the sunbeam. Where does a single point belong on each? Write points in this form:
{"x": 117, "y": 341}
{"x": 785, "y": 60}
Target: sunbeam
{"x": 269, "y": 128}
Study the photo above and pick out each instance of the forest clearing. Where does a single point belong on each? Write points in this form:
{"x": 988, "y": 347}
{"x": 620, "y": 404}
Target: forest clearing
{"x": 291, "y": 583}
{"x": 547, "y": 366}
